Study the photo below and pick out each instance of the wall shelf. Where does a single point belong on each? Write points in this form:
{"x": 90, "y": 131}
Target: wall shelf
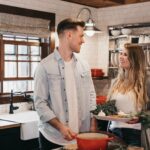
{"x": 100, "y": 78}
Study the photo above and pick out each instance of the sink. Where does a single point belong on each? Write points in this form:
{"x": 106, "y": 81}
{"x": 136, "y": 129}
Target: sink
{"x": 28, "y": 121}
{"x": 21, "y": 117}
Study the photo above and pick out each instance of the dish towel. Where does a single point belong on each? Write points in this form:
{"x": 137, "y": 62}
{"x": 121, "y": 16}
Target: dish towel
{"x": 29, "y": 130}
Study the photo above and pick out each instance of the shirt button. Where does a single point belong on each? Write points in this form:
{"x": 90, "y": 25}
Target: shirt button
{"x": 62, "y": 67}
{"x": 64, "y": 89}
{"x": 66, "y": 110}
{"x": 63, "y": 78}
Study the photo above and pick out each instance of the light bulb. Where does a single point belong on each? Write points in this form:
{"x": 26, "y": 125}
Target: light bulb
{"x": 90, "y": 33}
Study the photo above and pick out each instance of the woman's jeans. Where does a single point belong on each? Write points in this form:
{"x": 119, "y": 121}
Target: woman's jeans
{"x": 129, "y": 136}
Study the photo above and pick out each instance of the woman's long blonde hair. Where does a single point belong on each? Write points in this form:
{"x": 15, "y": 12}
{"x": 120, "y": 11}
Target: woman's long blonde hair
{"x": 134, "y": 78}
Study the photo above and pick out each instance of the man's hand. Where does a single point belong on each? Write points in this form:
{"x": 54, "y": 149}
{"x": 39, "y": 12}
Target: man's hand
{"x": 66, "y": 132}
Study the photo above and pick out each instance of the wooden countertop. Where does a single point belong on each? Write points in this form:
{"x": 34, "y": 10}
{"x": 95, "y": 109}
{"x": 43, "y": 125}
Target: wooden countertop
{"x": 8, "y": 124}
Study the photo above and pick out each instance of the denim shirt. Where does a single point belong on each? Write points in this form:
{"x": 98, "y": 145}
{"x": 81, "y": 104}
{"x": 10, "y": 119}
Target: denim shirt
{"x": 50, "y": 94}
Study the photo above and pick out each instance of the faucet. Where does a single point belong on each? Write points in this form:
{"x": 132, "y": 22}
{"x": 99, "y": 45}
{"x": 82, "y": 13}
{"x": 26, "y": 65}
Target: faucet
{"x": 11, "y": 107}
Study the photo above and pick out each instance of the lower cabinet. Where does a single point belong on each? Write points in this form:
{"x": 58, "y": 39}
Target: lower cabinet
{"x": 10, "y": 140}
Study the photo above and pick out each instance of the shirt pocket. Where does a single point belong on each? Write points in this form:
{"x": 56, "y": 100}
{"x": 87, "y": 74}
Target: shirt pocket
{"x": 85, "y": 78}
{"x": 54, "y": 81}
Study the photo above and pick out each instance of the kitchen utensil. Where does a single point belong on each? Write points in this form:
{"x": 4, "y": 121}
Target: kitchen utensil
{"x": 92, "y": 141}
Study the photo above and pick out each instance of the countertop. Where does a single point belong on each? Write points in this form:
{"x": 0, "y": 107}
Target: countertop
{"x": 8, "y": 124}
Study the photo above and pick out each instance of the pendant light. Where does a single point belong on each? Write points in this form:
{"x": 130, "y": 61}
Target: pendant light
{"x": 90, "y": 28}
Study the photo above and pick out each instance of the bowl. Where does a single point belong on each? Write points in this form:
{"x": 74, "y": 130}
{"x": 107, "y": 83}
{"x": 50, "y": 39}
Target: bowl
{"x": 92, "y": 141}
{"x": 126, "y": 31}
{"x": 115, "y": 32}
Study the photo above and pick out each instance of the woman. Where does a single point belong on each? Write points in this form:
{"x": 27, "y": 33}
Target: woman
{"x": 130, "y": 92}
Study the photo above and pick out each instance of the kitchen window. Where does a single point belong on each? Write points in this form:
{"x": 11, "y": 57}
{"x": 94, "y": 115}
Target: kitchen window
{"x": 21, "y": 56}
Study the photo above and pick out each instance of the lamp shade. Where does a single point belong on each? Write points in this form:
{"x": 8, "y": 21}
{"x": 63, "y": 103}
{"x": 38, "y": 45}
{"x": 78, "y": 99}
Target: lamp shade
{"x": 90, "y": 28}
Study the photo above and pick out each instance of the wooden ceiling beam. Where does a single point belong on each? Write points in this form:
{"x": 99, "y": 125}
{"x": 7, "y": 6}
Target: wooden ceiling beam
{"x": 104, "y": 3}
{"x": 116, "y": 1}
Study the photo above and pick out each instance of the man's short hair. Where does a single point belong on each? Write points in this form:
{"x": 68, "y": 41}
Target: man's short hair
{"x": 69, "y": 24}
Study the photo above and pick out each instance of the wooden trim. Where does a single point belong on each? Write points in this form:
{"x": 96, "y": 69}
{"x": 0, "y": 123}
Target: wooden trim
{"x": 21, "y": 43}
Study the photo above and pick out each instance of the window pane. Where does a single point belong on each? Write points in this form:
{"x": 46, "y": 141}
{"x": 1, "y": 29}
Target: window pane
{"x": 22, "y": 49}
{"x": 23, "y": 57}
{"x": 35, "y": 58}
{"x": 9, "y": 49}
{"x": 35, "y": 50}
{"x": 33, "y": 67}
{"x": 17, "y": 86}
{"x": 10, "y": 57}
{"x": 10, "y": 69}
{"x": 23, "y": 69}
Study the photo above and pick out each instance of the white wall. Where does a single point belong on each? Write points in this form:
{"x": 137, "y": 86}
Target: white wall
{"x": 134, "y": 13}
{"x": 95, "y": 49}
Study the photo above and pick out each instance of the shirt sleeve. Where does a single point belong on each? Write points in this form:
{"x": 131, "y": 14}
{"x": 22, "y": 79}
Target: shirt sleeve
{"x": 41, "y": 95}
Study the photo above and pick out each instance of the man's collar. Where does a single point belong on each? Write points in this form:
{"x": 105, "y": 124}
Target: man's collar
{"x": 59, "y": 58}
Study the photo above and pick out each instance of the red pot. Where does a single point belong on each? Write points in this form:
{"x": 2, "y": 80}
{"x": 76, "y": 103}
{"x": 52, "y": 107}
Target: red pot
{"x": 97, "y": 72}
{"x": 92, "y": 141}
{"x": 100, "y": 99}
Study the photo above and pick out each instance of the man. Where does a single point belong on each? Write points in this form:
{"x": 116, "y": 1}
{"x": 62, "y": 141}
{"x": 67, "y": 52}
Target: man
{"x": 64, "y": 91}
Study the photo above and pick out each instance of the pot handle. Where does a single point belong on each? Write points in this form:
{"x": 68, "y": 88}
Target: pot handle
{"x": 110, "y": 138}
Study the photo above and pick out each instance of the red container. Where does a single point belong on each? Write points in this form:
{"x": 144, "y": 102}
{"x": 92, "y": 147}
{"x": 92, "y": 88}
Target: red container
{"x": 92, "y": 141}
{"x": 100, "y": 99}
{"x": 97, "y": 72}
